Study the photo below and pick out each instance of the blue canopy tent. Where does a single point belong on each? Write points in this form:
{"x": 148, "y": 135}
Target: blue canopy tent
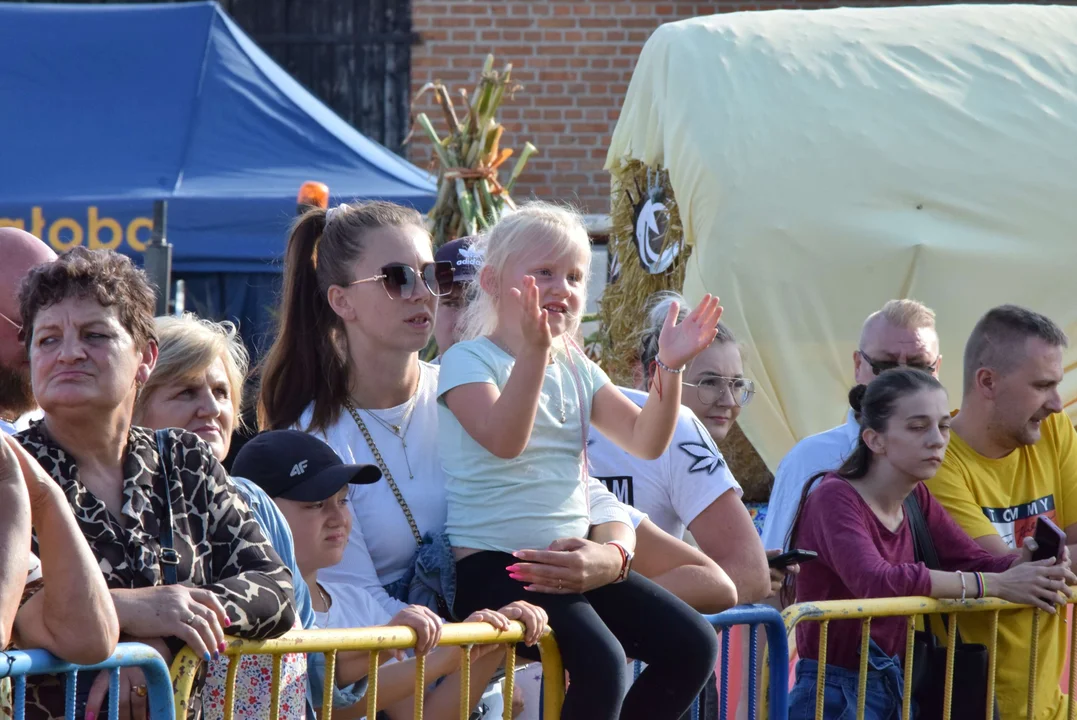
{"x": 110, "y": 107}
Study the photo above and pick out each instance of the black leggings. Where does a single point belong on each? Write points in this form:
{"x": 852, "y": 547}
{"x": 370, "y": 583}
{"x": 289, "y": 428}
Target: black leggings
{"x": 595, "y": 631}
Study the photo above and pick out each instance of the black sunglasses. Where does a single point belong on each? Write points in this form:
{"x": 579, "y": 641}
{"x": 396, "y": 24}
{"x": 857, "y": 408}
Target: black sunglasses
{"x": 880, "y": 366}
{"x": 400, "y": 281}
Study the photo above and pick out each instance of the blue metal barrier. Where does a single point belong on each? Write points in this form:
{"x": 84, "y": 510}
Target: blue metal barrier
{"x": 17, "y": 664}
{"x": 754, "y": 616}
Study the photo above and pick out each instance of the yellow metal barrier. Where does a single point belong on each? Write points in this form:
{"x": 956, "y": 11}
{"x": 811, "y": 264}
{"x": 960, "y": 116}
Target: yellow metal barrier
{"x": 375, "y": 639}
{"x": 912, "y": 608}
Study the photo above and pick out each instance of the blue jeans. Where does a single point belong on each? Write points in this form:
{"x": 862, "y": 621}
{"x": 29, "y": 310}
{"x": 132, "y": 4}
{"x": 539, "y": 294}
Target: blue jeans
{"x": 883, "y": 691}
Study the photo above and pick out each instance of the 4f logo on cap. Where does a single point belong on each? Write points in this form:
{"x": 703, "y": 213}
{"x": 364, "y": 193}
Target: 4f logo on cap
{"x": 299, "y": 468}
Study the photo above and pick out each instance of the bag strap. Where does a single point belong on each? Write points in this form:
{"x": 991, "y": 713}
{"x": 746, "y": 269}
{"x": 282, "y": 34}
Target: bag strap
{"x": 169, "y": 558}
{"x": 924, "y": 550}
{"x": 924, "y": 546}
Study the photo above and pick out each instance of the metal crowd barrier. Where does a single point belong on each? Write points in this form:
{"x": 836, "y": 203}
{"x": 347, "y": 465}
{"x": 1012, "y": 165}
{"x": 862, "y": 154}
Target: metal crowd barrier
{"x": 18, "y": 664}
{"x": 373, "y": 640}
{"x": 752, "y": 617}
{"x": 912, "y": 608}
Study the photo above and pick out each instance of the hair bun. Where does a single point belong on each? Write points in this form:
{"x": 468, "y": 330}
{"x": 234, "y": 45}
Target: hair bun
{"x": 856, "y": 397}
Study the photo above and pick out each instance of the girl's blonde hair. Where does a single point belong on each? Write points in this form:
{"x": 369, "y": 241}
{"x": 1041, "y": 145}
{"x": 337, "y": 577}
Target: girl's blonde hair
{"x": 556, "y": 228}
{"x": 188, "y": 345}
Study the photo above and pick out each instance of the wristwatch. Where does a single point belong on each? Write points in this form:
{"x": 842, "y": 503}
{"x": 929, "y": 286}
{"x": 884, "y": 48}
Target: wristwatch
{"x": 626, "y": 559}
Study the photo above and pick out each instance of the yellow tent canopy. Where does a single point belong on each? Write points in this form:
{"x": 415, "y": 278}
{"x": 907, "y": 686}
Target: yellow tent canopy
{"x": 824, "y": 162}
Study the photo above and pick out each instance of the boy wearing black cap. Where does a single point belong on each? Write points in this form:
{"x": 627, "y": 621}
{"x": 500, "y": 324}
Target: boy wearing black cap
{"x": 465, "y": 266}
{"x": 309, "y": 482}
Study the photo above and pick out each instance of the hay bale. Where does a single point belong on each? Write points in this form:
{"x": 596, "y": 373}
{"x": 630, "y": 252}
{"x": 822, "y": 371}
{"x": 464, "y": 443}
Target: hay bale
{"x": 746, "y": 465}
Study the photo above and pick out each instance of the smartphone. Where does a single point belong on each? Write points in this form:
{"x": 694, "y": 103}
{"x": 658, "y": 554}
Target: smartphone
{"x": 793, "y": 557}
{"x": 1050, "y": 540}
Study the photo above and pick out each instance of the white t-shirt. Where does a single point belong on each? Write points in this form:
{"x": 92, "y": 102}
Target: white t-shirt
{"x": 381, "y": 546}
{"x": 814, "y": 454}
{"x": 350, "y": 607}
{"x": 674, "y": 488}
{"x": 605, "y": 507}
{"x": 537, "y": 497}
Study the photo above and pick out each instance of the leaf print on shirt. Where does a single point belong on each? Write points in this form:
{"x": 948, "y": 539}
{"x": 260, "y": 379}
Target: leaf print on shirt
{"x": 705, "y": 452}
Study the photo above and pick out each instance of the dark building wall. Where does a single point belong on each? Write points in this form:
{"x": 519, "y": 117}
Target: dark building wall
{"x": 354, "y": 55}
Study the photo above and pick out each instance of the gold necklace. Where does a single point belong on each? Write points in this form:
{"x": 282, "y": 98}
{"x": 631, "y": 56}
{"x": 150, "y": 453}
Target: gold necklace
{"x": 385, "y": 472}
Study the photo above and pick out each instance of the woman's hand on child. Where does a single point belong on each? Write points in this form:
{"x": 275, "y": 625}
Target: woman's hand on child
{"x": 425, "y": 623}
{"x": 678, "y": 344}
{"x": 569, "y": 566}
{"x": 534, "y": 321}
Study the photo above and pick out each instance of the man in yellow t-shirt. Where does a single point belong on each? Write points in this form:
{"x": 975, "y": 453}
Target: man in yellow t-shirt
{"x": 1013, "y": 458}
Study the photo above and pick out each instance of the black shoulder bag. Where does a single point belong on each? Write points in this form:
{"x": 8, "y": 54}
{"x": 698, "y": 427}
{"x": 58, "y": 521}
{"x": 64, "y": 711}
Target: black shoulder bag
{"x": 969, "y": 688}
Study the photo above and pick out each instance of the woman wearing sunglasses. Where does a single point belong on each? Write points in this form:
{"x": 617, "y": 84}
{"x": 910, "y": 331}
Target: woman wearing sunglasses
{"x": 359, "y": 297}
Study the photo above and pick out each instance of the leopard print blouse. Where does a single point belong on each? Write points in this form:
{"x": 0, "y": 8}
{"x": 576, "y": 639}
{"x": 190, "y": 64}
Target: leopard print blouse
{"x": 220, "y": 545}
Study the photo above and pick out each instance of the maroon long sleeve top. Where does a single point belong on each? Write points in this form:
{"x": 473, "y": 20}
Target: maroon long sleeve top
{"x": 861, "y": 558}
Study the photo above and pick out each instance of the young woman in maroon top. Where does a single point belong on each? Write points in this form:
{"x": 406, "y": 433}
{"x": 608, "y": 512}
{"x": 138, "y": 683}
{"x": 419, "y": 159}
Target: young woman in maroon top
{"x": 856, "y": 522}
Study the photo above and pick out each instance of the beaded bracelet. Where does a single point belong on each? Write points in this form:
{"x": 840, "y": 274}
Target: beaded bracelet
{"x": 667, "y": 368}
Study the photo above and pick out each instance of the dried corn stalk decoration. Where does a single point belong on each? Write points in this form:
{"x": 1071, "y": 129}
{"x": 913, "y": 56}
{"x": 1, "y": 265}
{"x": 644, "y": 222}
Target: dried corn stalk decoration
{"x": 470, "y": 196}
{"x": 647, "y": 254}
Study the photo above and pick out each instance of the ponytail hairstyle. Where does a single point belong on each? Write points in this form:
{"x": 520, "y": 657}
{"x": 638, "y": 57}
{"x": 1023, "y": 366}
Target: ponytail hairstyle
{"x": 308, "y": 361}
{"x": 873, "y": 405}
{"x": 535, "y": 223}
{"x": 657, "y": 309}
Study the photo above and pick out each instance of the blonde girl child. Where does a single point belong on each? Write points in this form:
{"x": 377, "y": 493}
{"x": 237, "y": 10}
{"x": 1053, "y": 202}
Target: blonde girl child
{"x": 516, "y": 399}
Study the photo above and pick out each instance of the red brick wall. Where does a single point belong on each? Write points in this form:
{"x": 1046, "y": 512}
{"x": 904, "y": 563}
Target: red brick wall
{"x": 574, "y": 59}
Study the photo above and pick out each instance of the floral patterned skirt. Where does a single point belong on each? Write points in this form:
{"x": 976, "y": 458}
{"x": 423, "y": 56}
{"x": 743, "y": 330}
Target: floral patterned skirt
{"x": 253, "y": 681}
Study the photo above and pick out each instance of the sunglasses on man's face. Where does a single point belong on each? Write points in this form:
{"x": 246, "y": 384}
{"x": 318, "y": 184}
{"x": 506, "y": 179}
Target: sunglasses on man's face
{"x": 401, "y": 281}
{"x": 880, "y": 366}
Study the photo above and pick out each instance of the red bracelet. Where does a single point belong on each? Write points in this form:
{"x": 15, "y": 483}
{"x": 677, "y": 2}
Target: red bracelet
{"x": 624, "y": 560}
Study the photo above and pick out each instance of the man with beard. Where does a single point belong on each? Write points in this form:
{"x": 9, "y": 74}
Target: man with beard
{"x": 20, "y": 251}
{"x": 1012, "y": 459}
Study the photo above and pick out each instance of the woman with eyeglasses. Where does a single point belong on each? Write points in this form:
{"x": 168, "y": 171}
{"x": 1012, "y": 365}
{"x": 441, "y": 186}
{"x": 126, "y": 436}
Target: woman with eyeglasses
{"x": 690, "y": 485}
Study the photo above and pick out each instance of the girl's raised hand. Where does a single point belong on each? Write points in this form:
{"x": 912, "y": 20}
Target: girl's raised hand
{"x": 678, "y": 344}
{"x": 534, "y": 321}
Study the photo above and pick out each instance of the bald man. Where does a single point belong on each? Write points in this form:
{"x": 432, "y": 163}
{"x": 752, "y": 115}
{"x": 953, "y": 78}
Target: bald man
{"x": 902, "y": 333}
{"x": 20, "y": 251}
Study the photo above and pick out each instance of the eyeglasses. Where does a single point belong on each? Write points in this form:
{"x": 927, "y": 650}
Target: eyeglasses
{"x": 17, "y": 325}
{"x": 710, "y": 389}
{"x": 881, "y": 366}
{"x": 400, "y": 281}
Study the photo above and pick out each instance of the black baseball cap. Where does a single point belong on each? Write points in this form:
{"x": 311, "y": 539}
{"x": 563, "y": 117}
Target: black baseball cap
{"x": 465, "y": 261}
{"x": 295, "y": 465}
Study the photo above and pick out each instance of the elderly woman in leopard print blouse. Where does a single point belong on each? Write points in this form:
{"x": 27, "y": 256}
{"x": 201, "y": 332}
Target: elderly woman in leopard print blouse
{"x": 89, "y": 331}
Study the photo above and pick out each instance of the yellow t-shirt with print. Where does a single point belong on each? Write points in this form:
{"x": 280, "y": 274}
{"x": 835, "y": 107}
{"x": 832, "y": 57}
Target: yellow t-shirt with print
{"x": 1005, "y": 497}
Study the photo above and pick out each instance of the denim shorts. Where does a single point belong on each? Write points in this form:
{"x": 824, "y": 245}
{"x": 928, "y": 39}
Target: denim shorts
{"x": 883, "y": 691}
